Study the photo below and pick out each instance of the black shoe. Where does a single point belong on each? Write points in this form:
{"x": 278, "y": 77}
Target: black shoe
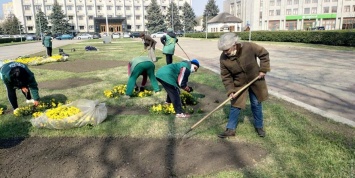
{"x": 227, "y": 133}
{"x": 141, "y": 89}
{"x": 260, "y": 132}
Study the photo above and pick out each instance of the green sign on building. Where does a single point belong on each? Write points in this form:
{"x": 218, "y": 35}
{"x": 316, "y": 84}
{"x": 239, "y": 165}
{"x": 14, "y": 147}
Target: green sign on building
{"x": 311, "y": 16}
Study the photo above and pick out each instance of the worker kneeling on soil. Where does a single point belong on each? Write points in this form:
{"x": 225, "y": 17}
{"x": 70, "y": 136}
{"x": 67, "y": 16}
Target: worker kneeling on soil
{"x": 173, "y": 76}
{"x": 141, "y": 66}
{"x": 17, "y": 76}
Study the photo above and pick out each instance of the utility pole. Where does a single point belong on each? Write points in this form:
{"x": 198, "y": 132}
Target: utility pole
{"x": 206, "y": 24}
{"x": 172, "y": 15}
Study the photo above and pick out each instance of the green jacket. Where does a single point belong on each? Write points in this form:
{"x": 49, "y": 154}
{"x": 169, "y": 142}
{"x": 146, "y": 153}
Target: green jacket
{"x": 47, "y": 41}
{"x": 136, "y": 61}
{"x": 169, "y": 46}
{"x": 29, "y": 82}
{"x": 175, "y": 74}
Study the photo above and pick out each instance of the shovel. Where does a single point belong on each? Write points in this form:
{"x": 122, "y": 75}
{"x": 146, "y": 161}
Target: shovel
{"x": 224, "y": 102}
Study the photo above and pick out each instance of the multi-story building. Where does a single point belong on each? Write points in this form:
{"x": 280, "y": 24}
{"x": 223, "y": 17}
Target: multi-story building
{"x": 91, "y": 15}
{"x": 293, "y": 14}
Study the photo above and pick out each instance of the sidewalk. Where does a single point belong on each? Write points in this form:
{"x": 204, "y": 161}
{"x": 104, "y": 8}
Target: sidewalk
{"x": 316, "y": 79}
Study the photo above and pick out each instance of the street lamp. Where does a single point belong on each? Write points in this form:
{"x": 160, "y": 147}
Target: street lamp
{"x": 172, "y": 15}
{"x": 206, "y": 25}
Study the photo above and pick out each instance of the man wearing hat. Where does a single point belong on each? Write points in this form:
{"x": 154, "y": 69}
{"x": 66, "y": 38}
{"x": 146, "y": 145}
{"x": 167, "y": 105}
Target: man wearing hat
{"x": 17, "y": 76}
{"x": 239, "y": 66}
{"x": 149, "y": 44}
{"x": 47, "y": 42}
{"x": 169, "y": 40}
{"x": 173, "y": 77}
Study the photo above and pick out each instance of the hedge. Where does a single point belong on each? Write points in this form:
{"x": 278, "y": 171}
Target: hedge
{"x": 10, "y": 40}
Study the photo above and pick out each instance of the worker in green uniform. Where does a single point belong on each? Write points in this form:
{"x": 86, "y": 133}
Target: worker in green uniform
{"x": 141, "y": 66}
{"x": 47, "y": 42}
{"x": 169, "y": 41}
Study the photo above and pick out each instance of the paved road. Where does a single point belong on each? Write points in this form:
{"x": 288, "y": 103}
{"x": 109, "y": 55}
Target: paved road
{"x": 317, "y": 79}
{"x": 14, "y": 51}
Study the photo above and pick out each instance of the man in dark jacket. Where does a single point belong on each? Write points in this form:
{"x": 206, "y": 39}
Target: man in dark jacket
{"x": 173, "y": 77}
{"x": 239, "y": 66}
{"x": 149, "y": 44}
{"x": 17, "y": 76}
{"x": 47, "y": 42}
{"x": 169, "y": 40}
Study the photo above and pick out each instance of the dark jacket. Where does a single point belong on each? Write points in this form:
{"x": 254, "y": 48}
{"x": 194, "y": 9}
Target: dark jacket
{"x": 176, "y": 74}
{"x": 238, "y": 70}
{"x": 149, "y": 42}
{"x": 28, "y": 79}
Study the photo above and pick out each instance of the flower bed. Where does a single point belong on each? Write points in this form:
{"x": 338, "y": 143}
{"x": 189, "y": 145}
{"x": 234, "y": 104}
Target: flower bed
{"x": 120, "y": 90}
{"x": 38, "y": 60}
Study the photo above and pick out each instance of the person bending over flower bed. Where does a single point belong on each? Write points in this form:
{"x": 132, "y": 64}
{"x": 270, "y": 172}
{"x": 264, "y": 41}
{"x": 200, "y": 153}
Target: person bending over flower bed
{"x": 18, "y": 76}
{"x": 140, "y": 66}
{"x": 173, "y": 76}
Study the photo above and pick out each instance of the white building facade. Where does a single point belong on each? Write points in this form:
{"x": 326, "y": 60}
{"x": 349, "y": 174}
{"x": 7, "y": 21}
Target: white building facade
{"x": 89, "y": 15}
{"x": 293, "y": 14}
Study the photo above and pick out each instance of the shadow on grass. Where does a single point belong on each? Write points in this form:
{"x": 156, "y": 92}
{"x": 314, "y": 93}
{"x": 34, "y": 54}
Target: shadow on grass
{"x": 57, "y": 97}
{"x": 10, "y": 127}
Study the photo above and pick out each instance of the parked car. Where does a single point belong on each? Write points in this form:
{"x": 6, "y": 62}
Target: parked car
{"x": 158, "y": 34}
{"x": 65, "y": 37}
{"x": 96, "y": 36}
{"x": 115, "y": 35}
{"x": 135, "y": 35}
{"x": 179, "y": 33}
{"x": 84, "y": 36}
{"x": 126, "y": 35}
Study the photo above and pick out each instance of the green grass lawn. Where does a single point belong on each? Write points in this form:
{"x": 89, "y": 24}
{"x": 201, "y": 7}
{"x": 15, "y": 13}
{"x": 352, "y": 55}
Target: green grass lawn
{"x": 299, "y": 143}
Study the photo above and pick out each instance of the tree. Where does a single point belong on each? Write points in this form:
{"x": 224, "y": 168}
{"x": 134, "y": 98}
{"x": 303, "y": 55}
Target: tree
{"x": 211, "y": 10}
{"x": 41, "y": 23}
{"x": 173, "y": 18}
{"x": 12, "y": 26}
{"x": 155, "y": 18}
{"x": 58, "y": 19}
{"x": 188, "y": 17}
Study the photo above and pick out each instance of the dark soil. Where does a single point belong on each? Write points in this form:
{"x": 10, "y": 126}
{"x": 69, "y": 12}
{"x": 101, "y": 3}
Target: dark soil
{"x": 124, "y": 156}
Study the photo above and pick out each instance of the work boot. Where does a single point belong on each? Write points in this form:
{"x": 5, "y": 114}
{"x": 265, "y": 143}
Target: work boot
{"x": 260, "y": 132}
{"x": 227, "y": 133}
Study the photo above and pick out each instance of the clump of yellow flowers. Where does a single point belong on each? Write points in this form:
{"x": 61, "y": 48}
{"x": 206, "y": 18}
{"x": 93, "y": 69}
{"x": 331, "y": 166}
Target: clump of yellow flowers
{"x": 1, "y": 111}
{"x": 62, "y": 112}
{"x": 37, "y": 60}
{"x": 186, "y": 99}
{"x": 36, "y": 111}
{"x": 119, "y": 90}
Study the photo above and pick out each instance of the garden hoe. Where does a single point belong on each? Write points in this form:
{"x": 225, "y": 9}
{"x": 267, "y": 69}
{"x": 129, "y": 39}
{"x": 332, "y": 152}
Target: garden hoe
{"x": 184, "y": 51}
{"x": 224, "y": 102}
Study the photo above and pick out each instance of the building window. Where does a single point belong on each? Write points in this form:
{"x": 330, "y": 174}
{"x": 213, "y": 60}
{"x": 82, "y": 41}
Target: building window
{"x": 307, "y": 1}
{"x": 278, "y": 12}
{"x": 27, "y": 7}
{"x": 272, "y": 2}
{"x": 129, "y": 17}
{"x": 91, "y": 17}
{"x": 79, "y": 8}
{"x": 138, "y": 17}
{"x": 295, "y": 11}
{"x": 91, "y": 27}
{"x": 29, "y": 28}
{"x": 354, "y": 8}
{"x": 98, "y": 7}
{"x": 288, "y": 11}
{"x": 278, "y": 3}
{"x": 89, "y": 8}
{"x": 334, "y": 9}
{"x": 81, "y": 17}
{"x": 28, "y": 18}
{"x": 81, "y": 27}
{"x": 347, "y": 9}
{"x": 291, "y": 25}
{"x": 271, "y": 12}
{"x": 109, "y": 7}
{"x": 70, "y": 17}
{"x": 289, "y": 2}
{"x": 314, "y": 10}
{"x": 118, "y": 7}
{"x": 314, "y": 1}
{"x": 334, "y": 0}
{"x": 38, "y": 7}
{"x": 325, "y": 9}
{"x": 100, "y": 16}
{"x": 69, "y": 8}
{"x": 138, "y": 27}
{"x": 136, "y": 8}
{"x": 128, "y": 8}
{"x": 306, "y": 11}
{"x": 295, "y": 2}
{"x": 326, "y": 0}
{"x": 49, "y": 7}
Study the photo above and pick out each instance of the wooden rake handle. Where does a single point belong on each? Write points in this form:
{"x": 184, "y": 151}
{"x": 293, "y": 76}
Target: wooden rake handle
{"x": 224, "y": 102}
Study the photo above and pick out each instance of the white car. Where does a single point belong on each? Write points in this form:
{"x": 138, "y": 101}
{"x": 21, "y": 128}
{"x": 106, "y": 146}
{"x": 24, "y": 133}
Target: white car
{"x": 158, "y": 34}
{"x": 84, "y": 36}
{"x": 115, "y": 35}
